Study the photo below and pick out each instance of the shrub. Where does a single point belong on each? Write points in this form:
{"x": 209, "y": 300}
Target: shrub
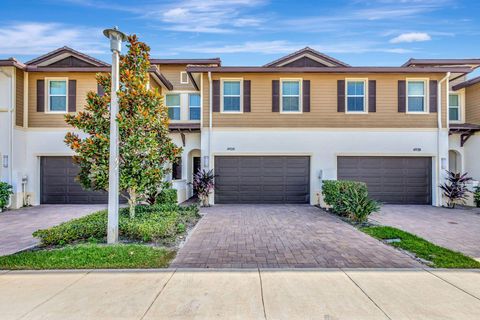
{"x": 203, "y": 184}
{"x": 151, "y": 224}
{"x": 349, "y": 199}
{"x": 167, "y": 196}
{"x": 476, "y": 196}
{"x": 5, "y": 192}
{"x": 455, "y": 188}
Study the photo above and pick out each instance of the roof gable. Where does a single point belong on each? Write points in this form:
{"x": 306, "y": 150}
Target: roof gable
{"x": 66, "y": 57}
{"x": 306, "y": 57}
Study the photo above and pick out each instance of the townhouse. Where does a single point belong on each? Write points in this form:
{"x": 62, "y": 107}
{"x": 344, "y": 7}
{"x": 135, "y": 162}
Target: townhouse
{"x": 272, "y": 134}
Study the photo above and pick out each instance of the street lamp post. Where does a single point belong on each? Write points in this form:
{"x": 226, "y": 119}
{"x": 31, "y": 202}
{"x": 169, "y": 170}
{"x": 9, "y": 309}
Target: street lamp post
{"x": 116, "y": 38}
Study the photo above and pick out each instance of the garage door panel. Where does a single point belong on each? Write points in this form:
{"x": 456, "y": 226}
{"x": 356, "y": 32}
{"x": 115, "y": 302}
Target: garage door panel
{"x": 59, "y": 184}
{"x": 261, "y": 179}
{"x": 390, "y": 179}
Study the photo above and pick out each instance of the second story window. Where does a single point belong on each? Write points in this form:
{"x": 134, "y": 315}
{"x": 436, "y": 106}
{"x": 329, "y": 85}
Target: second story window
{"x": 454, "y": 106}
{"x": 231, "y": 92}
{"x": 291, "y": 96}
{"x": 194, "y": 106}
{"x": 356, "y": 96}
{"x": 173, "y": 104}
{"x": 416, "y": 96}
{"x": 57, "y": 96}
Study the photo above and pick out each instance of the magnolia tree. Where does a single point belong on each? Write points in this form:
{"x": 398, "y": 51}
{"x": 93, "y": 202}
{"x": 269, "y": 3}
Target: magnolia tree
{"x": 145, "y": 148}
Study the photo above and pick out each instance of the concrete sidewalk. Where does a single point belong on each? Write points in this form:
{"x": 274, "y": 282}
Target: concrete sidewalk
{"x": 241, "y": 294}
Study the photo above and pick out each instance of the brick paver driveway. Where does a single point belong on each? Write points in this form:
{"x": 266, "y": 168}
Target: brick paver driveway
{"x": 456, "y": 229}
{"x": 245, "y": 236}
{"x": 17, "y": 226}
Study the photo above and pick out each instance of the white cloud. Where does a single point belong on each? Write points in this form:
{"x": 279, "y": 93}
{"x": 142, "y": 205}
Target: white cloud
{"x": 32, "y": 38}
{"x": 411, "y": 37}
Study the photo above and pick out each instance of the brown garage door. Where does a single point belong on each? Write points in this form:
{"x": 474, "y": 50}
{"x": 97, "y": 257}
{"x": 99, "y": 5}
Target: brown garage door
{"x": 401, "y": 180}
{"x": 58, "y": 185}
{"x": 262, "y": 179}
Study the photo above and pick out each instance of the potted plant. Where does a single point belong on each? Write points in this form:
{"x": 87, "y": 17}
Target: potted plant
{"x": 5, "y": 192}
{"x": 202, "y": 185}
{"x": 455, "y": 189}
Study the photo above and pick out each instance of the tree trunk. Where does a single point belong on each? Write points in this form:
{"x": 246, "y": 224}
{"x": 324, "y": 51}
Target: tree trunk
{"x": 132, "y": 202}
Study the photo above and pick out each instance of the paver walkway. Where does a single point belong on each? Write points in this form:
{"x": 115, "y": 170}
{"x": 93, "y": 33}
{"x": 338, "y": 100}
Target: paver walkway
{"x": 276, "y": 236}
{"x": 241, "y": 294}
{"x": 17, "y": 226}
{"x": 456, "y": 229}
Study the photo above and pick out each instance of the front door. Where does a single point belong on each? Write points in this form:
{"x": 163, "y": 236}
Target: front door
{"x": 196, "y": 167}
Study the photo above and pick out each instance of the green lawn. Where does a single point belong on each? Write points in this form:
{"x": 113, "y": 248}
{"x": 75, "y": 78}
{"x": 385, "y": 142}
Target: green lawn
{"x": 90, "y": 256}
{"x": 439, "y": 256}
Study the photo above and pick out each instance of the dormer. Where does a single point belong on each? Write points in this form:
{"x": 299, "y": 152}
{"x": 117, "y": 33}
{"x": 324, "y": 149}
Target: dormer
{"x": 306, "y": 57}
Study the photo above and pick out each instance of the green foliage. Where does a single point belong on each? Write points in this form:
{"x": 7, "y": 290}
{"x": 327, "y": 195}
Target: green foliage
{"x": 5, "y": 192}
{"x": 476, "y": 196}
{"x": 167, "y": 196}
{"x": 151, "y": 224}
{"x": 439, "y": 256}
{"x": 145, "y": 146}
{"x": 349, "y": 199}
{"x": 89, "y": 256}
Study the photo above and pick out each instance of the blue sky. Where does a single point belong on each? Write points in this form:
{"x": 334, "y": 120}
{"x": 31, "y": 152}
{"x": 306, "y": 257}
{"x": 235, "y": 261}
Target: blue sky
{"x": 249, "y": 32}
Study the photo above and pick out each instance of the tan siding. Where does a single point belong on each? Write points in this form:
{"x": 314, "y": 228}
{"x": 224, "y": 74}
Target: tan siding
{"x": 472, "y": 105}
{"x": 19, "y": 78}
{"x": 323, "y": 104}
{"x": 85, "y": 82}
{"x": 155, "y": 85}
{"x": 172, "y": 73}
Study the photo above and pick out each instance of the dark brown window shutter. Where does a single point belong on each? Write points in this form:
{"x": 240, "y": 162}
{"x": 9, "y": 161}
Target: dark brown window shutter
{"x": 40, "y": 95}
{"x": 433, "y": 96}
{"x": 275, "y": 96}
{"x": 100, "y": 90}
{"x": 306, "y": 95}
{"x": 216, "y": 96}
{"x": 402, "y": 98}
{"x": 246, "y": 95}
{"x": 340, "y": 95}
{"x": 72, "y": 95}
{"x": 372, "y": 96}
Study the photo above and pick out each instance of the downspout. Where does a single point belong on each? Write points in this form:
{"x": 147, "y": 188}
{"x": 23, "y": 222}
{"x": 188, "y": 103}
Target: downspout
{"x": 10, "y": 135}
{"x": 210, "y": 99}
{"x": 439, "y": 133}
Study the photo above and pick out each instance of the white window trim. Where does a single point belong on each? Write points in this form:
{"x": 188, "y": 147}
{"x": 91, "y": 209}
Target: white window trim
{"x": 300, "y": 95}
{"x": 181, "y": 77}
{"x": 461, "y": 99}
{"x": 179, "y": 106}
{"x": 365, "y": 95}
{"x": 222, "y": 80}
{"x": 199, "y": 106}
{"x": 47, "y": 95}
{"x": 426, "y": 96}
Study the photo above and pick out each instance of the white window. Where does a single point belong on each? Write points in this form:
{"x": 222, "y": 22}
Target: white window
{"x": 57, "y": 96}
{"x": 291, "y": 92}
{"x": 231, "y": 95}
{"x": 416, "y": 96}
{"x": 355, "y": 95}
{"x": 173, "y": 104}
{"x": 194, "y": 106}
{"x": 454, "y": 106}
{"x": 183, "y": 77}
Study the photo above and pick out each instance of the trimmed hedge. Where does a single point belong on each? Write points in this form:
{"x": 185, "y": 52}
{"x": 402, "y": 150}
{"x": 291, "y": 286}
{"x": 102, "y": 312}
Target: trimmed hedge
{"x": 167, "y": 196}
{"x": 151, "y": 224}
{"x": 349, "y": 199}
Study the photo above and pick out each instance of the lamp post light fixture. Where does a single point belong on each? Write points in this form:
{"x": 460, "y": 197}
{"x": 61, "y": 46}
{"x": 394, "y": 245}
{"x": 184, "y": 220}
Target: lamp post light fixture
{"x": 116, "y": 38}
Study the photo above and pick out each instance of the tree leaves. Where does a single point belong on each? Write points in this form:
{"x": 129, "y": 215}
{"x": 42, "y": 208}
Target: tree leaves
{"x": 145, "y": 146}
